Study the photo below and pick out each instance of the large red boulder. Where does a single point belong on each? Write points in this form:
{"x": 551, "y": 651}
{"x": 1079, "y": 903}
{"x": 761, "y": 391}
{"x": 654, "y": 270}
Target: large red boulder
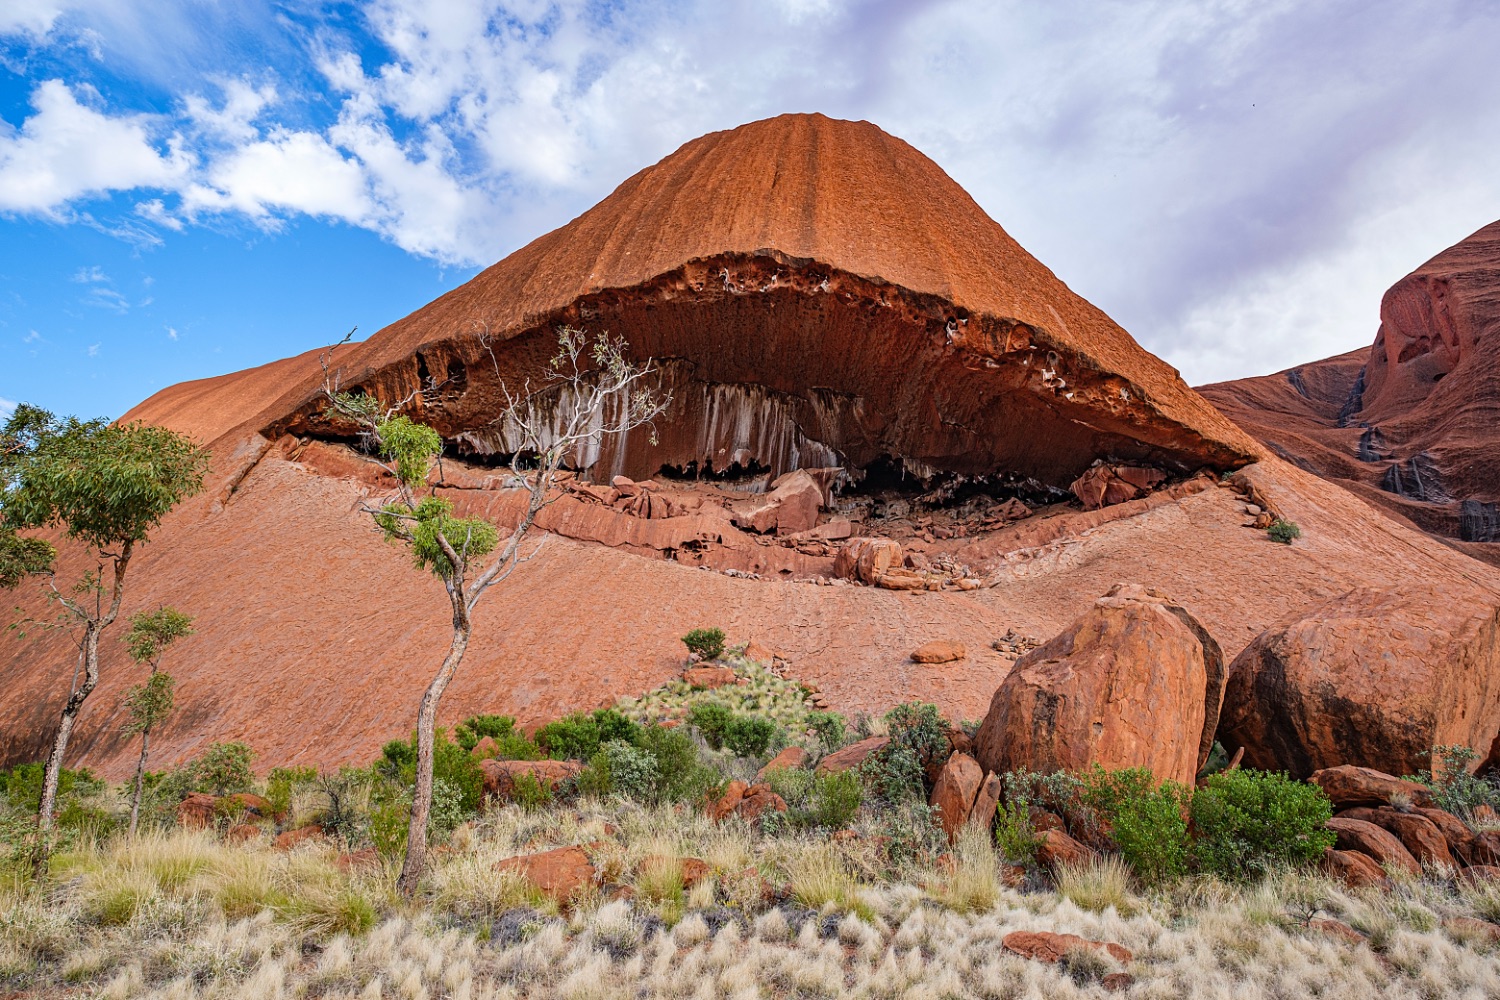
{"x": 1045, "y": 946}
{"x": 1347, "y": 786}
{"x": 1367, "y": 838}
{"x": 196, "y": 812}
{"x": 954, "y": 792}
{"x": 1135, "y": 682}
{"x": 791, "y": 506}
{"x": 1417, "y": 833}
{"x": 561, "y": 874}
{"x": 1354, "y": 869}
{"x": 868, "y": 560}
{"x": 1105, "y": 485}
{"x": 851, "y": 756}
{"x": 1374, "y": 678}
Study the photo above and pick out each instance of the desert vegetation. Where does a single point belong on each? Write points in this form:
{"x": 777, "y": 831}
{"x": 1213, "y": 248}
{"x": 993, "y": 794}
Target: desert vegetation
{"x": 595, "y": 857}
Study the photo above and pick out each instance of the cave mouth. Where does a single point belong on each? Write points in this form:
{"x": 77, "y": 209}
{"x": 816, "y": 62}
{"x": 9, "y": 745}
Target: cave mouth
{"x": 748, "y": 477}
{"x": 794, "y": 366}
{"x": 887, "y": 479}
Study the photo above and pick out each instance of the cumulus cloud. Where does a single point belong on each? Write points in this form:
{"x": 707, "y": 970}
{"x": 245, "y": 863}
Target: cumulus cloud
{"x": 1235, "y": 183}
{"x": 67, "y": 151}
{"x": 7, "y": 407}
{"x": 29, "y": 17}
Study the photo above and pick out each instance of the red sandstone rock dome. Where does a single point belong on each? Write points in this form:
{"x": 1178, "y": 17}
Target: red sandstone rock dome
{"x": 817, "y": 292}
{"x": 820, "y": 294}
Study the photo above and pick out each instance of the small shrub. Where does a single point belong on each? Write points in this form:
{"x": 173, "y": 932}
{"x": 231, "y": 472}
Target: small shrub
{"x": 918, "y": 744}
{"x": 530, "y": 792}
{"x": 680, "y": 775}
{"x": 749, "y": 735}
{"x": 1454, "y": 789}
{"x": 579, "y": 736}
{"x": 1247, "y": 822}
{"x": 1145, "y": 820}
{"x": 223, "y": 769}
{"x": 914, "y": 836}
{"x": 1283, "y": 531}
{"x": 450, "y": 762}
{"x": 469, "y": 732}
{"x": 282, "y": 782}
{"x": 23, "y": 785}
{"x": 712, "y": 720}
{"x": 829, "y": 728}
{"x": 708, "y": 643}
{"x": 620, "y": 767}
{"x": 1015, "y": 837}
{"x": 835, "y": 799}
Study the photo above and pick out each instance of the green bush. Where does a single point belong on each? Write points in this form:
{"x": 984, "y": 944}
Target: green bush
{"x": 1283, "y": 531}
{"x": 23, "y": 785}
{"x": 708, "y": 643}
{"x": 624, "y": 769}
{"x": 1145, "y": 820}
{"x": 530, "y": 792}
{"x": 282, "y": 782}
{"x": 1248, "y": 822}
{"x": 469, "y": 732}
{"x": 712, "y": 720}
{"x": 223, "y": 769}
{"x": 836, "y": 798}
{"x": 749, "y": 735}
{"x": 579, "y": 736}
{"x": 1015, "y": 837}
{"x": 918, "y": 744}
{"x": 828, "y": 727}
{"x": 450, "y": 762}
{"x": 680, "y": 776}
{"x": 1454, "y": 789}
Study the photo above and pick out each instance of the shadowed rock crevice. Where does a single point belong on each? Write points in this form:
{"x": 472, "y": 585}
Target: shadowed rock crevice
{"x": 782, "y": 364}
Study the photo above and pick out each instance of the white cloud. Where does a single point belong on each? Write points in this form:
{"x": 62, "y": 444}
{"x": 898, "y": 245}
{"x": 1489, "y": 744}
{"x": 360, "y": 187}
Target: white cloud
{"x": 171, "y": 333}
{"x": 29, "y": 17}
{"x": 93, "y": 350}
{"x": 7, "y": 407}
{"x": 31, "y": 337}
{"x": 294, "y": 171}
{"x": 90, "y": 275}
{"x": 67, "y": 151}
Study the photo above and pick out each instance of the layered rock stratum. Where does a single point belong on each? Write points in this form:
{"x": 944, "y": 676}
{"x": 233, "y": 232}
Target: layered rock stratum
{"x": 1413, "y": 422}
{"x": 821, "y": 299}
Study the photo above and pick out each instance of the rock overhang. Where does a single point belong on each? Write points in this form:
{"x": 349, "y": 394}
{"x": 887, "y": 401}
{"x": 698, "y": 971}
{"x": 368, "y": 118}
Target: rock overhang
{"x": 776, "y": 363}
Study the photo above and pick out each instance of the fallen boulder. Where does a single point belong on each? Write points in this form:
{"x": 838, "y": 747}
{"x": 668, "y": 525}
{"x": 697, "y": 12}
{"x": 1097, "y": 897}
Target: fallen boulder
{"x": 1044, "y": 946}
{"x": 851, "y": 756}
{"x": 1374, "y": 678}
{"x": 1057, "y": 848}
{"x": 954, "y": 791}
{"x": 792, "y": 758}
{"x": 1135, "y": 682}
{"x": 792, "y": 506}
{"x": 867, "y": 559}
{"x": 1464, "y": 844}
{"x": 939, "y": 651}
{"x": 1354, "y": 869}
{"x": 1104, "y": 485}
{"x": 1417, "y": 833}
{"x": 1347, "y": 785}
{"x": 1380, "y": 844}
{"x": 196, "y": 812}
{"x": 561, "y": 874}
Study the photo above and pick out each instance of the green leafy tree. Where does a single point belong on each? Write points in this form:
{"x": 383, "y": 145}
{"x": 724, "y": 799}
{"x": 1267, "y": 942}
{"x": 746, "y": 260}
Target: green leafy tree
{"x": 149, "y": 703}
{"x": 105, "y": 486}
{"x": 592, "y": 391}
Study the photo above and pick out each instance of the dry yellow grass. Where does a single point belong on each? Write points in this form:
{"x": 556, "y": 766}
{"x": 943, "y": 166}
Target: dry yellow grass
{"x": 184, "y": 917}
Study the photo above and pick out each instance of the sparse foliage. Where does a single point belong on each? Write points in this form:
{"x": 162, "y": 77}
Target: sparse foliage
{"x": 106, "y": 486}
{"x": 1284, "y": 531}
{"x": 707, "y": 643}
{"x": 591, "y": 391}
{"x": 149, "y": 703}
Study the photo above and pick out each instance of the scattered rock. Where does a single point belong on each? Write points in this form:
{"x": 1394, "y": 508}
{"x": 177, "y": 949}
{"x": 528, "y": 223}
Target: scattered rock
{"x": 792, "y": 758}
{"x": 987, "y": 801}
{"x": 939, "y": 651}
{"x": 867, "y": 559}
{"x": 1347, "y": 785}
{"x": 500, "y": 775}
{"x": 363, "y": 859}
{"x": 1336, "y": 929}
{"x": 196, "y": 812}
{"x": 1462, "y": 843}
{"x": 757, "y": 799}
{"x": 726, "y": 803}
{"x": 561, "y": 873}
{"x": 248, "y": 803}
{"x": 1479, "y": 874}
{"x": 1135, "y": 682}
{"x": 1044, "y": 946}
{"x": 1105, "y": 485}
{"x": 301, "y": 835}
{"x": 1354, "y": 869}
{"x": 1380, "y": 844}
{"x": 485, "y": 749}
{"x": 851, "y": 756}
{"x": 1115, "y": 982}
{"x": 1417, "y": 833}
{"x": 954, "y": 791}
{"x": 694, "y": 870}
{"x": 1373, "y": 678}
{"x": 1471, "y": 929}
{"x": 1057, "y": 848}
{"x": 242, "y": 833}
{"x": 710, "y": 678}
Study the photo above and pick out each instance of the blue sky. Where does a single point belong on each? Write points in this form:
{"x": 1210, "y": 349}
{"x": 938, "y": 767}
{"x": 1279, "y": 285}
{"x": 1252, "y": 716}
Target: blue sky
{"x": 189, "y": 187}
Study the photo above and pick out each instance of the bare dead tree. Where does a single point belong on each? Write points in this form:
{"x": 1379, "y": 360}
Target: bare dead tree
{"x": 591, "y": 391}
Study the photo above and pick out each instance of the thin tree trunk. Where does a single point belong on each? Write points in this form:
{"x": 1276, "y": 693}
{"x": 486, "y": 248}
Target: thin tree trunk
{"x": 92, "y": 627}
{"x": 140, "y": 778}
{"x": 421, "y": 800}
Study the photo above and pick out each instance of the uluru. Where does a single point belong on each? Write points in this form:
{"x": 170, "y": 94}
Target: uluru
{"x": 580, "y": 501}
{"x": 833, "y": 318}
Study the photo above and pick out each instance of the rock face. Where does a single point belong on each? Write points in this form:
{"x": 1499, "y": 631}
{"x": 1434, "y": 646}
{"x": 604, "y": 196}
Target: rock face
{"x": 822, "y": 296}
{"x": 1409, "y": 423}
{"x": 1135, "y": 682}
{"x": 1372, "y": 678}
